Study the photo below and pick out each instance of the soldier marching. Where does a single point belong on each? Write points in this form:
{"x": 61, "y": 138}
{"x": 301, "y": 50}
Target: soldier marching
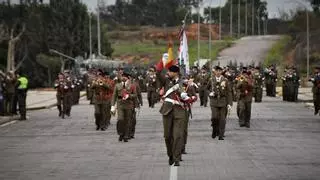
{"x": 102, "y": 88}
{"x": 122, "y": 96}
{"x": 290, "y": 85}
{"x": 270, "y": 75}
{"x": 203, "y": 79}
{"x": 220, "y": 102}
{"x": 315, "y": 79}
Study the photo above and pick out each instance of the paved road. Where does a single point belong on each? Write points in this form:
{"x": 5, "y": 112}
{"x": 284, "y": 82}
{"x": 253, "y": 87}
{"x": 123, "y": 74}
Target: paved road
{"x": 247, "y": 50}
{"x": 283, "y": 143}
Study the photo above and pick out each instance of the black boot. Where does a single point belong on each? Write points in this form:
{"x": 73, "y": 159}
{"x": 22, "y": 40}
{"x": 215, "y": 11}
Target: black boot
{"x": 120, "y": 138}
{"x": 177, "y": 163}
{"x": 60, "y": 112}
{"x": 97, "y": 117}
{"x": 214, "y": 134}
{"x": 171, "y": 160}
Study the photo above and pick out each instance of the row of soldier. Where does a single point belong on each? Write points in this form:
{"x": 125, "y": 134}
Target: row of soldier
{"x": 121, "y": 94}
{"x": 68, "y": 89}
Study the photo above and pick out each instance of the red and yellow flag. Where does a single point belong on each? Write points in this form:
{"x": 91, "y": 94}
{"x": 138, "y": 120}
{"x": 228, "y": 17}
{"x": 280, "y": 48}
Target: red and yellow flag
{"x": 167, "y": 59}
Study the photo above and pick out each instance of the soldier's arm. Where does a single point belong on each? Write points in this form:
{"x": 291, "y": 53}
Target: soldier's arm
{"x": 133, "y": 93}
{"x": 56, "y": 84}
{"x": 139, "y": 95}
{"x": 108, "y": 85}
{"x": 114, "y": 96}
{"x": 229, "y": 95}
{"x": 161, "y": 79}
{"x": 209, "y": 85}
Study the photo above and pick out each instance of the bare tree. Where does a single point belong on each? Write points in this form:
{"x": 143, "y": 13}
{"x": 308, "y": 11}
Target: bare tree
{"x": 12, "y": 46}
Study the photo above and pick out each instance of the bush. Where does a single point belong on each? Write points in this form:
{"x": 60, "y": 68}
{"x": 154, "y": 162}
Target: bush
{"x": 277, "y": 52}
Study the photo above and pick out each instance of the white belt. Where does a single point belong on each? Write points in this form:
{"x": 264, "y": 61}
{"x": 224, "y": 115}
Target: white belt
{"x": 173, "y": 101}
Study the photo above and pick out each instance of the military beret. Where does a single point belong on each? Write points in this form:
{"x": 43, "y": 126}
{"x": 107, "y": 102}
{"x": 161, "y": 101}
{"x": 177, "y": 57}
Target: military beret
{"x": 126, "y": 74}
{"x": 106, "y": 73}
{"x": 174, "y": 68}
{"x": 195, "y": 67}
{"x": 257, "y": 67}
{"x": 317, "y": 67}
{"x": 152, "y": 68}
{"x": 218, "y": 68}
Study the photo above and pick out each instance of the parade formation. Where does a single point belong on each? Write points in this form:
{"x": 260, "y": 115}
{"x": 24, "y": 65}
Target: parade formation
{"x": 119, "y": 94}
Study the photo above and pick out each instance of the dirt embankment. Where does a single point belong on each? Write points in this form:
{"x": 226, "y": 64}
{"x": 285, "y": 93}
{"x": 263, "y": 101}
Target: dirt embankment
{"x": 149, "y": 34}
{"x": 153, "y": 33}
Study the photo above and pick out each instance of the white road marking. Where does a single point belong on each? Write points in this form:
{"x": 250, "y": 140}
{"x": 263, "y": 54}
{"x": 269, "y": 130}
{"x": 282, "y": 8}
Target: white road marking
{"x": 173, "y": 172}
{"x": 8, "y": 123}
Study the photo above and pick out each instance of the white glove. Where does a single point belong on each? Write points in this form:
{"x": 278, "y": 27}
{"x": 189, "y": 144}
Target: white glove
{"x": 184, "y": 96}
{"x": 126, "y": 97}
{"x": 229, "y": 107}
{"x": 176, "y": 87}
{"x": 113, "y": 109}
{"x": 211, "y": 94}
{"x": 66, "y": 87}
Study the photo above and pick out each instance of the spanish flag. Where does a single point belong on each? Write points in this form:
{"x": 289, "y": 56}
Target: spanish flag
{"x": 167, "y": 58}
{"x": 170, "y": 61}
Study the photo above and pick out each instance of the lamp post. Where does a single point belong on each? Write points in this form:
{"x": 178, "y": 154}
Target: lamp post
{"x": 198, "y": 33}
{"x": 246, "y": 31}
{"x": 98, "y": 28}
{"x": 231, "y": 13}
{"x": 220, "y": 20}
{"x": 210, "y": 19}
{"x": 239, "y": 19}
{"x": 252, "y": 23}
{"x": 90, "y": 36}
{"x": 258, "y": 21}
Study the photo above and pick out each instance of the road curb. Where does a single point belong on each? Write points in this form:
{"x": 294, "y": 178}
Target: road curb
{"x": 48, "y": 106}
{"x": 6, "y": 119}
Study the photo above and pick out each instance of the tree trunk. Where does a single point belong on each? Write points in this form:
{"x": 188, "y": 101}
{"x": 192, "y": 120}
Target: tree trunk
{"x": 9, "y": 56}
{"x": 12, "y": 48}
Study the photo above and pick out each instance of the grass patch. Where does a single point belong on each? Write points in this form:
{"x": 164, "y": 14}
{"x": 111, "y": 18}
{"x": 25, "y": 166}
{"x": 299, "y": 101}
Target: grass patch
{"x": 276, "y": 54}
{"x": 155, "y": 49}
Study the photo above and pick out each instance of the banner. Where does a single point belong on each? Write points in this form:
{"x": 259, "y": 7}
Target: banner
{"x": 183, "y": 52}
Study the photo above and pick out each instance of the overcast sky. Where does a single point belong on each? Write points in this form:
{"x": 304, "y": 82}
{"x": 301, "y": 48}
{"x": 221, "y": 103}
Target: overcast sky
{"x": 273, "y": 5}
